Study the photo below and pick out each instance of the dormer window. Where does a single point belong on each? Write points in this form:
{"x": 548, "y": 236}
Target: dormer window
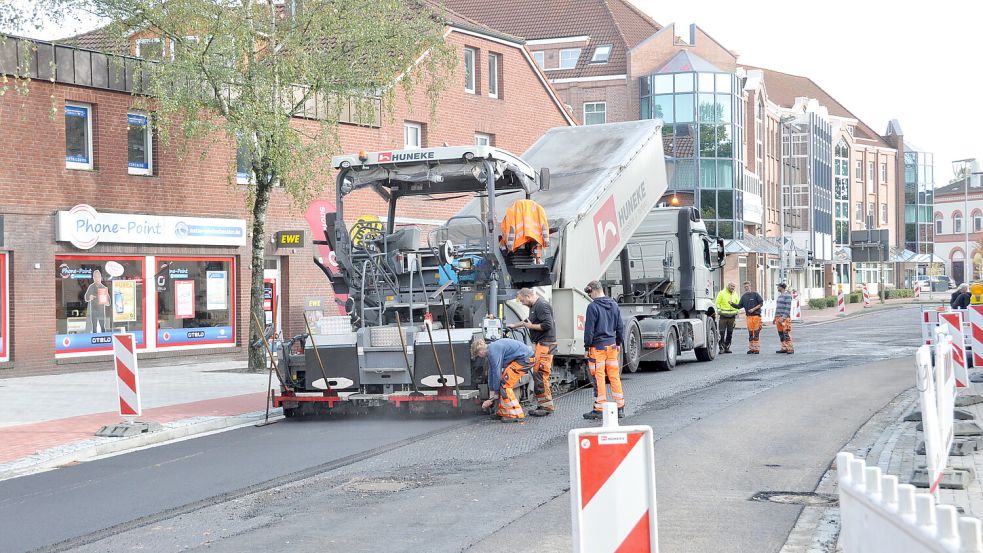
{"x": 601, "y": 54}
{"x": 569, "y": 57}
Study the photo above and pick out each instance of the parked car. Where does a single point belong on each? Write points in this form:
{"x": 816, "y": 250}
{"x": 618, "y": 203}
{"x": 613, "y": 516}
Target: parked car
{"x": 942, "y": 283}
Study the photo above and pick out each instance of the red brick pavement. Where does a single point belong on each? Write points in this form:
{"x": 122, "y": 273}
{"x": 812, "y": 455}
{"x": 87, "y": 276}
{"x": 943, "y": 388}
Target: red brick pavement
{"x": 27, "y": 439}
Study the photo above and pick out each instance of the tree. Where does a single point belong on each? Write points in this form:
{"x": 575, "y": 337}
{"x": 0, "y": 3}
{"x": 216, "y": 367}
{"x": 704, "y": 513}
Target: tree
{"x": 244, "y": 71}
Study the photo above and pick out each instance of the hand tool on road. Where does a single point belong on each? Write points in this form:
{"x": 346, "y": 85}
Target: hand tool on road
{"x": 402, "y": 342}
{"x": 269, "y": 384}
{"x": 327, "y": 386}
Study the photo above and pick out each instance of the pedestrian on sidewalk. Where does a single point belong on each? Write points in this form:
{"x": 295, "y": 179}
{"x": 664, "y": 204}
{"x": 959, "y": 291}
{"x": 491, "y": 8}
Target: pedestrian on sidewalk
{"x": 603, "y": 334}
{"x": 783, "y": 319}
{"x": 751, "y": 302}
{"x": 543, "y": 334}
{"x": 508, "y": 360}
{"x": 727, "y": 313}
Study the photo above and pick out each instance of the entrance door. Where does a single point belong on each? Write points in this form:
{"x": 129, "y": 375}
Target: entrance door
{"x": 271, "y": 294}
{"x": 958, "y": 272}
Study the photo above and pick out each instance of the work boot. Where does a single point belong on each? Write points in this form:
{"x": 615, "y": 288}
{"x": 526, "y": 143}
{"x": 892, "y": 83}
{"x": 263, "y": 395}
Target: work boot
{"x": 781, "y": 351}
{"x": 510, "y": 419}
{"x": 750, "y": 351}
{"x": 541, "y": 412}
{"x": 593, "y": 415}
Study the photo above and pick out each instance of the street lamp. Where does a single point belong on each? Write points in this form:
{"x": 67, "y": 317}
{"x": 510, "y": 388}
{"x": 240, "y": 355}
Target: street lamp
{"x": 782, "y": 122}
{"x": 960, "y": 166}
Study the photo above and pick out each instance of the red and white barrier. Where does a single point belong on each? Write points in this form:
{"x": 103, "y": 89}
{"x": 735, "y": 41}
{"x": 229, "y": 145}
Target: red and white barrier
{"x": 975, "y": 333}
{"x": 840, "y": 303}
{"x": 918, "y": 291}
{"x": 768, "y": 311}
{"x": 878, "y": 515}
{"x": 866, "y": 296}
{"x": 612, "y": 487}
{"x": 796, "y": 307}
{"x": 930, "y": 320}
{"x": 127, "y": 376}
{"x": 952, "y": 322}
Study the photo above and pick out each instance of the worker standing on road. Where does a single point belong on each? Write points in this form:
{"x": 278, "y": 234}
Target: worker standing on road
{"x": 603, "y": 334}
{"x": 508, "y": 360}
{"x": 728, "y": 315}
{"x": 751, "y": 302}
{"x": 783, "y": 319}
{"x": 543, "y": 335}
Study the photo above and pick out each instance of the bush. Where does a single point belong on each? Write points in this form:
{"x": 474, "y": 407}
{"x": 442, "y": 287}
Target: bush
{"x": 817, "y": 303}
{"x": 831, "y": 301}
{"x": 855, "y": 297}
{"x": 899, "y": 293}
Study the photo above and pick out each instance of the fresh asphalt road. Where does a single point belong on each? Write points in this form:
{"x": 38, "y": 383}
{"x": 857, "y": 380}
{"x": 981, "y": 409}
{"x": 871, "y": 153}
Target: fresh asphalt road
{"x": 440, "y": 485}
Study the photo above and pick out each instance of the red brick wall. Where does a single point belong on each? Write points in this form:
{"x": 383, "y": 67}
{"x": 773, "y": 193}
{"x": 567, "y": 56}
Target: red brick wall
{"x": 34, "y": 184}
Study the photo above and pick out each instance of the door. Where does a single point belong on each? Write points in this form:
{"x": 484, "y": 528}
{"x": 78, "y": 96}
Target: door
{"x": 271, "y": 294}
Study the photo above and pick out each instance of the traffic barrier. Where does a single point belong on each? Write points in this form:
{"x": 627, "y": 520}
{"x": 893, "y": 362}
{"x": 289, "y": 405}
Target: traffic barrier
{"x": 127, "y": 376}
{"x": 612, "y": 487}
{"x": 976, "y": 334}
{"x": 796, "y": 307}
{"x": 866, "y": 297}
{"x": 936, "y": 387}
{"x": 918, "y": 291}
{"x": 768, "y": 311}
{"x": 930, "y": 320}
{"x": 952, "y": 323}
{"x": 878, "y": 515}
{"x": 840, "y": 304}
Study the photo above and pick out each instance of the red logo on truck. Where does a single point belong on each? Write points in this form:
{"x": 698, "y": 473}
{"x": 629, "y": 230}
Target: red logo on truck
{"x": 385, "y": 156}
{"x": 606, "y": 229}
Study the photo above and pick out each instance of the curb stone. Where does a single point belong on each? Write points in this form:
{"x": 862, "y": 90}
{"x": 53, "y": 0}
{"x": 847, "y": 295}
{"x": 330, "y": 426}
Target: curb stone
{"x": 100, "y": 447}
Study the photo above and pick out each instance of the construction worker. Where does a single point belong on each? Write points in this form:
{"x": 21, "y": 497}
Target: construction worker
{"x": 603, "y": 334}
{"x": 783, "y": 319}
{"x": 728, "y": 315}
{"x": 751, "y": 302}
{"x": 508, "y": 360}
{"x": 543, "y": 335}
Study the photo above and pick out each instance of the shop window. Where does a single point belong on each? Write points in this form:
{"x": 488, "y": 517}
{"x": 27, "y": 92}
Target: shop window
{"x": 469, "y": 74}
{"x": 195, "y": 301}
{"x": 96, "y": 297}
{"x": 139, "y": 144}
{"x": 78, "y": 136}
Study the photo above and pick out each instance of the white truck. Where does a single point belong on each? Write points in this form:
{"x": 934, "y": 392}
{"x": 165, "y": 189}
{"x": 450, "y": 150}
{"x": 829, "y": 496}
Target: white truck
{"x": 417, "y": 298}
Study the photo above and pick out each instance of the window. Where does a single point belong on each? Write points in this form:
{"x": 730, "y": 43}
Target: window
{"x": 977, "y": 223}
{"x": 469, "y": 75}
{"x": 78, "y": 136}
{"x": 938, "y": 225}
{"x": 493, "y": 75}
{"x": 482, "y": 139}
{"x": 870, "y": 171}
{"x": 957, "y": 224}
{"x": 870, "y": 216}
{"x": 858, "y": 214}
{"x": 244, "y": 171}
{"x": 569, "y": 57}
{"x": 883, "y": 173}
{"x": 195, "y": 301}
{"x": 595, "y": 113}
{"x": 96, "y": 297}
{"x": 139, "y": 144}
{"x": 150, "y": 48}
{"x": 540, "y": 58}
{"x": 601, "y": 54}
{"x": 412, "y": 135}
{"x": 883, "y": 214}
{"x": 858, "y": 171}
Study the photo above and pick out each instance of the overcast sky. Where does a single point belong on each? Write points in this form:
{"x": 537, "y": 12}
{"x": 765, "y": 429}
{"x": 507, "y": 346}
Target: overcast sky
{"x": 881, "y": 59}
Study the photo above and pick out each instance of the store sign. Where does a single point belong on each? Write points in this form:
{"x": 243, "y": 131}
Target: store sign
{"x": 288, "y": 239}
{"x": 85, "y": 227}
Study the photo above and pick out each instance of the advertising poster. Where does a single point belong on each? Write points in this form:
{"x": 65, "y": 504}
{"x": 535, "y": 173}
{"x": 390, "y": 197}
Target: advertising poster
{"x": 184, "y": 299}
{"x": 124, "y": 301}
{"x": 216, "y": 290}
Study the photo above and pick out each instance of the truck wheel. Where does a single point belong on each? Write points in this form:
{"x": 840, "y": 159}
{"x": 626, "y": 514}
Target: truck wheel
{"x": 632, "y": 350}
{"x": 709, "y": 352}
{"x": 672, "y": 351}
{"x": 289, "y": 412}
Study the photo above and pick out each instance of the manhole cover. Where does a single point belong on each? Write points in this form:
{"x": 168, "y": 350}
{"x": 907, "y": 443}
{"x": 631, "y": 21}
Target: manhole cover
{"x": 378, "y": 485}
{"x": 796, "y": 498}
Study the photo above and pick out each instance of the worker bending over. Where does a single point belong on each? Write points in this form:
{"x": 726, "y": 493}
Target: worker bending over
{"x": 728, "y": 315}
{"x": 508, "y": 360}
{"x": 783, "y": 319}
{"x": 751, "y": 302}
{"x": 543, "y": 335}
{"x": 603, "y": 333}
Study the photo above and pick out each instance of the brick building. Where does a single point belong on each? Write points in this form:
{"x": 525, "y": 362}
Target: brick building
{"x": 86, "y": 188}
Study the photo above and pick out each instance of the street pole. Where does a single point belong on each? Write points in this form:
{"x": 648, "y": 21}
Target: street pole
{"x": 781, "y": 200}
{"x": 967, "y": 262}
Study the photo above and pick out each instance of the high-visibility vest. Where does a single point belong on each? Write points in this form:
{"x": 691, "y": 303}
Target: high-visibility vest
{"x": 525, "y": 221}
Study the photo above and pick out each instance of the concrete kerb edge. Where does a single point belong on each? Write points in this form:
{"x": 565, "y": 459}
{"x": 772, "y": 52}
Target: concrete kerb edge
{"x": 90, "y": 451}
{"x": 861, "y": 314}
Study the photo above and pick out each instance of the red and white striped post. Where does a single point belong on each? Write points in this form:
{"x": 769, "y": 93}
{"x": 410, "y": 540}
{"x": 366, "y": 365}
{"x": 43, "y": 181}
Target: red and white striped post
{"x": 953, "y": 323}
{"x": 976, "y": 334}
{"x": 612, "y": 487}
{"x": 918, "y": 291}
{"x": 840, "y": 303}
{"x": 127, "y": 376}
{"x": 866, "y": 296}
{"x": 796, "y": 307}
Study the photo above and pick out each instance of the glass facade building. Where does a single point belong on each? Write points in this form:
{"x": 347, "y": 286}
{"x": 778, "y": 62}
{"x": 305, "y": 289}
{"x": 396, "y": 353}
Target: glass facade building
{"x": 703, "y": 112}
{"x": 919, "y": 183}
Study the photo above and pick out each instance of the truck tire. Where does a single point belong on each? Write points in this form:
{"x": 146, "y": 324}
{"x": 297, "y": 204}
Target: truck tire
{"x": 632, "y": 351}
{"x": 672, "y": 352}
{"x": 709, "y": 352}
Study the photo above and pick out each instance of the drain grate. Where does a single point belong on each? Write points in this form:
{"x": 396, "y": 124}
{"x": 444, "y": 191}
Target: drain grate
{"x": 796, "y": 498}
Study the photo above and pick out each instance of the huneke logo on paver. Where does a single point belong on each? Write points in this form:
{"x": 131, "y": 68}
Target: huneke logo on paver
{"x": 609, "y": 221}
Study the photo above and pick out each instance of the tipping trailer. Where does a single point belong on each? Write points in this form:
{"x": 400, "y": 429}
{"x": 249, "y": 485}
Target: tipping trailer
{"x": 418, "y": 298}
